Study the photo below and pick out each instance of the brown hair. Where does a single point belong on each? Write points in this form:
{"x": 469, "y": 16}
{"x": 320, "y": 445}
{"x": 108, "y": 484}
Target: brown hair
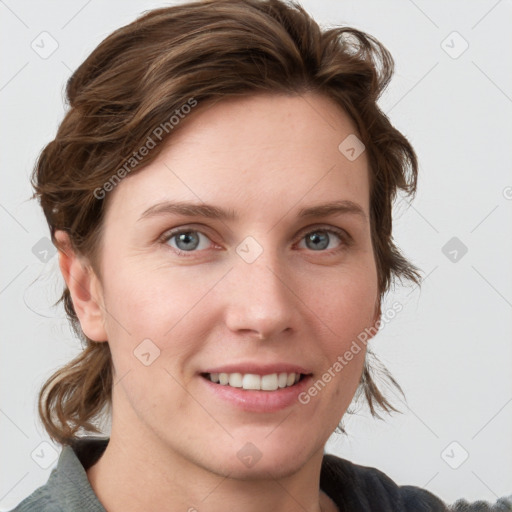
{"x": 139, "y": 77}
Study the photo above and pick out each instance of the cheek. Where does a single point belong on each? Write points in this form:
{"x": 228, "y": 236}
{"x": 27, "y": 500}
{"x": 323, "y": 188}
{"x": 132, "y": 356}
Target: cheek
{"x": 146, "y": 315}
{"x": 152, "y": 301}
{"x": 153, "y": 332}
{"x": 345, "y": 305}
{"x": 344, "y": 316}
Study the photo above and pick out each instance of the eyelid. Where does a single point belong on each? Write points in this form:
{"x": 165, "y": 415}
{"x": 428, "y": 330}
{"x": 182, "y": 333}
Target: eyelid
{"x": 324, "y": 227}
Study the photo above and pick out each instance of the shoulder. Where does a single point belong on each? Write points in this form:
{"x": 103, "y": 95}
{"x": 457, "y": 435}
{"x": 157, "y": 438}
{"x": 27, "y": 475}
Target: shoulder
{"x": 41, "y": 500}
{"x": 355, "y": 487}
{"x": 501, "y": 505}
{"x": 362, "y": 488}
{"x": 68, "y": 488}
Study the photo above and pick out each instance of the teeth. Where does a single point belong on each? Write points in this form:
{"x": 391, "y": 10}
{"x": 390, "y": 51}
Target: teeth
{"x": 235, "y": 380}
{"x": 251, "y": 381}
{"x": 270, "y": 382}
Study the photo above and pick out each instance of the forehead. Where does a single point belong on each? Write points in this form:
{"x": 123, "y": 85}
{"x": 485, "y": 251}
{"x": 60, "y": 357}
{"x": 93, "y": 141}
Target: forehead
{"x": 252, "y": 152}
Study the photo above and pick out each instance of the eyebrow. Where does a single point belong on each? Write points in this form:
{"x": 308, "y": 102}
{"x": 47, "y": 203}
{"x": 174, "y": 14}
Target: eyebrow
{"x": 215, "y": 212}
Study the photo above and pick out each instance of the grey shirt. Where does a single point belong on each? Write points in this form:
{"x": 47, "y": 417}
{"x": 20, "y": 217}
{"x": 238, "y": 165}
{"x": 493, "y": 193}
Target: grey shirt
{"x": 68, "y": 488}
{"x": 352, "y": 487}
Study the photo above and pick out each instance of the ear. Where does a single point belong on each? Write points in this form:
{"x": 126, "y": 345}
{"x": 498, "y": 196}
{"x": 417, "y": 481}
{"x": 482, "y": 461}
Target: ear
{"x": 84, "y": 287}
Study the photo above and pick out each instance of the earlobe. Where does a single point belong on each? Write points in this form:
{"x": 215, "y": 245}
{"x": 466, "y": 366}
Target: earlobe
{"x": 84, "y": 288}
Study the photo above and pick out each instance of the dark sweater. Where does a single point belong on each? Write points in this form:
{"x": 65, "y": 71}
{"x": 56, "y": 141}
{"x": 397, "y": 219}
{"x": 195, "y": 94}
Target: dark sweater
{"x": 352, "y": 487}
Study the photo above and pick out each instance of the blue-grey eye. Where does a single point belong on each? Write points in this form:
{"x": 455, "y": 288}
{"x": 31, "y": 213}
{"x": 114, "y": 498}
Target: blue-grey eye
{"x": 320, "y": 239}
{"x": 187, "y": 240}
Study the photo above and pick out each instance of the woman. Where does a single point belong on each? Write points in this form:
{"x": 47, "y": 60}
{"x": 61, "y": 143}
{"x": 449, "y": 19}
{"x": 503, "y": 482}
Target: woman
{"x": 220, "y": 193}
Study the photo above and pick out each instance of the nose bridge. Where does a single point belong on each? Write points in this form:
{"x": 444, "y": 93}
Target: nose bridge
{"x": 261, "y": 300}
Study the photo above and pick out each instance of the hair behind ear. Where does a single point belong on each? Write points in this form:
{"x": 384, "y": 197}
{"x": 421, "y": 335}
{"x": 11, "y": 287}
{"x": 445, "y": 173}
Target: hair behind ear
{"x": 76, "y": 393}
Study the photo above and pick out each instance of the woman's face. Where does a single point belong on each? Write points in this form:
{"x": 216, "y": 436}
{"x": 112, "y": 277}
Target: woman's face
{"x": 253, "y": 285}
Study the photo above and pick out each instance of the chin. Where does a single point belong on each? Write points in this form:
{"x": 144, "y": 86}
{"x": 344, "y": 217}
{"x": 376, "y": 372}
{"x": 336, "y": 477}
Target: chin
{"x": 261, "y": 460}
{"x": 274, "y": 468}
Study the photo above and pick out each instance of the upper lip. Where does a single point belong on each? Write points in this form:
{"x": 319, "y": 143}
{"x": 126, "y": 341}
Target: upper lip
{"x": 258, "y": 369}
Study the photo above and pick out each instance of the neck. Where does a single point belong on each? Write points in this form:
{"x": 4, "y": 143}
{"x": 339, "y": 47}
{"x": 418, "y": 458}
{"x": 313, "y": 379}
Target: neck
{"x": 122, "y": 483}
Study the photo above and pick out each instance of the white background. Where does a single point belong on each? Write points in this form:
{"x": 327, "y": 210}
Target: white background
{"x": 450, "y": 347}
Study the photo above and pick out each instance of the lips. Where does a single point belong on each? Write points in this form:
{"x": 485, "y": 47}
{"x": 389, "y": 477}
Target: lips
{"x": 254, "y": 399}
{"x": 257, "y": 387}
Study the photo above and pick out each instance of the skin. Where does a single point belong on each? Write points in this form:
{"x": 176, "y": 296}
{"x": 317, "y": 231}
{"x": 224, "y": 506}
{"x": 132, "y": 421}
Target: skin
{"x": 173, "y": 446}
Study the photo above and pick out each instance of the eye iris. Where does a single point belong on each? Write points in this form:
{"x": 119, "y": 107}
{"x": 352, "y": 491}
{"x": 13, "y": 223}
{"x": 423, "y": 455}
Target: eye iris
{"x": 186, "y": 238}
{"x": 315, "y": 237}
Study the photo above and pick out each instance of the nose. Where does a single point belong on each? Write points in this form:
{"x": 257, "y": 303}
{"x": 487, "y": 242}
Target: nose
{"x": 261, "y": 300}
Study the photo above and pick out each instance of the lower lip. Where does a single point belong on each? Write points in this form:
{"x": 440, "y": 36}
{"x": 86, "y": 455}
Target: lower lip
{"x": 252, "y": 400}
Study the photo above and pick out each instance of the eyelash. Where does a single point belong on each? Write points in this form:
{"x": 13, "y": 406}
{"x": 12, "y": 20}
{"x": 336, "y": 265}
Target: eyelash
{"x": 345, "y": 239}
